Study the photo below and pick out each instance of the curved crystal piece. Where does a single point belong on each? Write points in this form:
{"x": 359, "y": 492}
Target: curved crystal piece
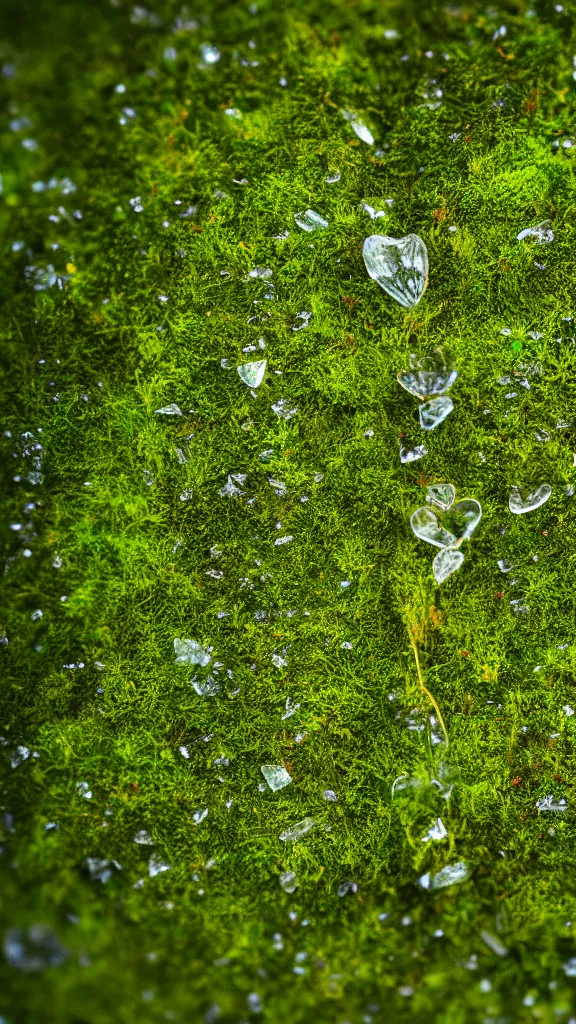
{"x": 426, "y": 527}
{"x": 518, "y": 505}
{"x": 427, "y": 376}
{"x": 252, "y": 373}
{"x": 464, "y": 518}
{"x": 542, "y": 233}
{"x": 446, "y": 562}
{"x": 292, "y": 835}
{"x": 441, "y": 495}
{"x": 309, "y": 220}
{"x": 432, "y": 413}
{"x": 399, "y": 266}
{"x": 276, "y": 776}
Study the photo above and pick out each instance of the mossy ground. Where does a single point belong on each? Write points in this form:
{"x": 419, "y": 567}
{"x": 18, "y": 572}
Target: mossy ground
{"x": 87, "y": 364}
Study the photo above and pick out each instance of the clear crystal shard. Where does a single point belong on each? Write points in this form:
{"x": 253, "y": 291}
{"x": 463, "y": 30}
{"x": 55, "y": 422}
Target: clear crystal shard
{"x": 292, "y": 835}
{"x": 169, "y": 410}
{"x": 33, "y": 949}
{"x": 252, "y": 373}
{"x": 551, "y": 803}
{"x": 310, "y": 221}
{"x": 358, "y": 127}
{"x": 288, "y": 881}
{"x": 399, "y": 266}
{"x": 412, "y": 454}
{"x": 464, "y": 518}
{"x": 441, "y": 495}
{"x": 449, "y": 875}
{"x": 432, "y": 413}
{"x": 542, "y": 233}
{"x": 188, "y": 652}
{"x": 436, "y": 832}
{"x": 276, "y": 776}
{"x": 427, "y": 376}
{"x": 446, "y": 562}
{"x": 426, "y": 527}
{"x": 533, "y": 500}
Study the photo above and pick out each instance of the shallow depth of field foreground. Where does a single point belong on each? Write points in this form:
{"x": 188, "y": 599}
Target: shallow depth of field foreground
{"x": 288, "y": 458}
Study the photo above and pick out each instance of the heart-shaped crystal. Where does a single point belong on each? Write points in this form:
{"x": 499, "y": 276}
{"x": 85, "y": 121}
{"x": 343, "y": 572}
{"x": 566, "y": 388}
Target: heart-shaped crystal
{"x": 462, "y": 521}
{"x": 252, "y": 373}
{"x": 518, "y": 504}
{"x": 432, "y": 413}
{"x": 446, "y": 562}
{"x": 399, "y": 265}
{"x": 441, "y": 495}
{"x": 427, "y": 376}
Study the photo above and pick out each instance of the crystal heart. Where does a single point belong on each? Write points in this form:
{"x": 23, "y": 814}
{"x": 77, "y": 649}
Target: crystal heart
{"x": 399, "y": 265}
{"x": 518, "y": 504}
{"x": 433, "y": 413}
{"x": 462, "y": 520}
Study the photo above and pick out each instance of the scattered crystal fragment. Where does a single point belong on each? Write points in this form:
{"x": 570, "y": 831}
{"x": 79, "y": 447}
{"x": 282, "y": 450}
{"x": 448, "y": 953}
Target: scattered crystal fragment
{"x": 550, "y": 803}
{"x": 518, "y": 505}
{"x": 283, "y": 409}
{"x": 333, "y": 178}
{"x": 441, "y": 495}
{"x": 330, "y": 796}
{"x": 292, "y": 835}
{"x": 504, "y": 565}
{"x": 445, "y": 563}
{"x": 358, "y": 127}
{"x": 189, "y": 652}
{"x": 412, "y": 454}
{"x": 169, "y": 410}
{"x": 156, "y": 866}
{"x": 291, "y": 709}
{"x": 143, "y": 839}
{"x": 372, "y": 212}
{"x": 345, "y": 887}
{"x": 398, "y": 265}
{"x": 230, "y": 488}
{"x": 33, "y": 949}
{"x": 254, "y": 1003}
{"x": 432, "y": 413}
{"x": 542, "y": 233}
{"x": 493, "y": 943}
{"x": 283, "y": 540}
{"x": 288, "y": 881}
{"x": 199, "y": 815}
{"x": 83, "y": 789}
{"x": 210, "y": 54}
{"x": 449, "y": 875}
{"x": 436, "y": 832}
{"x": 425, "y": 525}
{"x": 427, "y": 376}
{"x": 99, "y": 868}
{"x": 276, "y": 776}
{"x": 310, "y": 221}
{"x": 206, "y": 688}
{"x": 252, "y": 373}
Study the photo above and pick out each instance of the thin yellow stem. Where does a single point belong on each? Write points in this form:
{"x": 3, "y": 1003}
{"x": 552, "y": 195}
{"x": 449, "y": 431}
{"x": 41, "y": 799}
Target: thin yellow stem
{"x": 425, "y": 689}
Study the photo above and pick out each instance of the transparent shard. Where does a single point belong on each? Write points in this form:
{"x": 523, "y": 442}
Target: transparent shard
{"x": 169, "y": 410}
{"x": 33, "y": 949}
{"x": 100, "y": 869}
{"x": 230, "y": 488}
{"x": 446, "y": 562}
{"x": 449, "y": 875}
{"x": 427, "y": 376}
{"x": 425, "y": 525}
{"x": 310, "y": 221}
{"x": 276, "y": 776}
{"x": 206, "y": 687}
{"x": 358, "y": 127}
{"x": 189, "y": 652}
{"x": 412, "y": 454}
{"x": 404, "y": 786}
{"x": 199, "y": 815}
{"x": 252, "y": 373}
{"x": 432, "y": 413}
{"x": 143, "y": 839}
{"x": 288, "y": 881}
{"x": 292, "y": 835}
{"x": 156, "y": 866}
{"x": 283, "y": 409}
{"x": 541, "y": 234}
{"x": 333, "y": 178}
{"x": 345, "y": 887}
{"x": 504, "y": 565}
{"x": 291, "y": 709}
{"x": 399, "y": 266}
{"x": 441, "y": 495}
{"x": 531, "y": 501}
{"x": 493, "y": 943}
{"x": 436, "y": 832}
{"x": 372, "y": 211}
{"x": 552, "y": 803}
{"x": 210, "y": 54}
{"x": 330, "y": 796}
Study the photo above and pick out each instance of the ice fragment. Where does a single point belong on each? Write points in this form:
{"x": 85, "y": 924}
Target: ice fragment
{"x": 412, "y": 454}
{"x": 276, "y": 776}
{"x": 358, "y": 127}
{"x": 427, "y": 376}
{"x": 449, "y": 875}
{"x": 436, "y": 832}
{"x": 399, "y": 266}
{"x": 542, "y": 233}
{"x": 292, "y": 835}
{"x": 551, "y": 803}
{"x": 169, "y": 410}
{"x": 189, "y": 652}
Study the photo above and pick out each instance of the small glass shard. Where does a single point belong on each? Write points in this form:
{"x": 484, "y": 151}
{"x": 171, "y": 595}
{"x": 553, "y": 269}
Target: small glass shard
{"x": 399, "y": 266}
{"x": 518, "y": 505}
{"x": 33, "y": 949}
{"x": 551, "y": 803}
{"x": 330, "y": 796}
{"x": 464, "y": 518}
{"x": 427, "y": 376}
{"x": 542, "y": 233}
{"x": 252, "y": 373}
{"x": 169, "y": 410}
{"x": 300, "y": 829}
{"x": 333, "y": 178}
{"x": 426, "y": 527}
{"x": 189, "y": 652}
{"x": 436, "y": 832}
{"x": 156, "y": 866}
{"x": 449, "y": 875}
{"x": 143, "y": 839}
{"x": 432, "y": 413}
{"x": 288, "y": 881}
{"x": 276, "y": 776}
{"x": 310, "y": 221}
{"x": 358, "y": 127}
{"x": 412, "y": 454}
{"x": 291, "y": 709}
{"x": 441, "y": 495}
{"x": 345, "y": 887}
{"x": 446, "y": 562}
{"x": 372, "y": 212}
{"x": 206, "y": 688}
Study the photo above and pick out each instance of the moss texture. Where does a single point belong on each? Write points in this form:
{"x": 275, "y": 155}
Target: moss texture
{"x": 144, "y": 300}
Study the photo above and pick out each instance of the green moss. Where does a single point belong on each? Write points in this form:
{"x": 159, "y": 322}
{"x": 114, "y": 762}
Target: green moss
{"x": 88, "y": 365}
